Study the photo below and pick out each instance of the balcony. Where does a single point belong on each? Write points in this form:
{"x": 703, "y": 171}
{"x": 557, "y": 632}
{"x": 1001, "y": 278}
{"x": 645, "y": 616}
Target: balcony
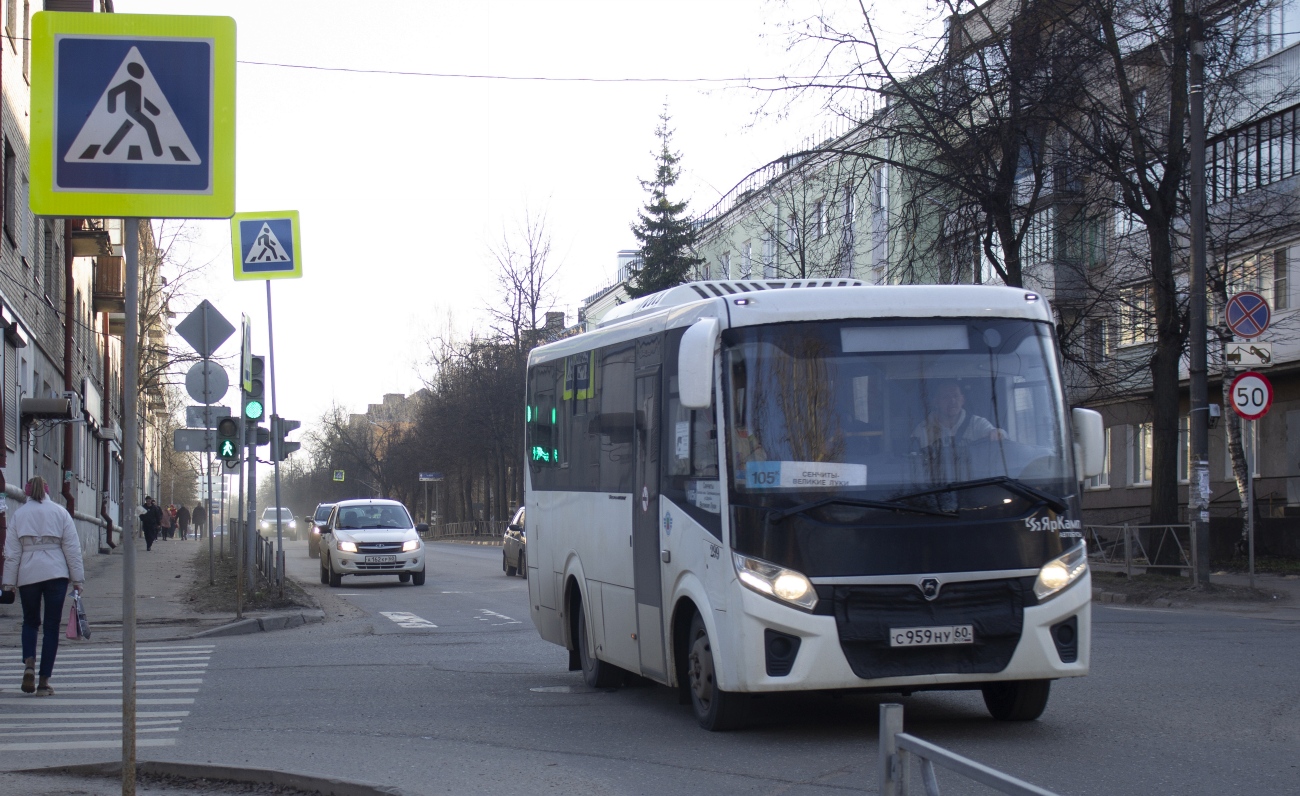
{"x": 109, "y": 290}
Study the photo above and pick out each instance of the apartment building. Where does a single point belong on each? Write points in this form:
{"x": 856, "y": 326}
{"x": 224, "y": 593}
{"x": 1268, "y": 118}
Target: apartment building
{"x": 62, "y": 310}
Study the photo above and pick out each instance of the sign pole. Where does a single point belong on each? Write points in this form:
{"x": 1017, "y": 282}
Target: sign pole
{"x": 275, "y": 432}
{"x": 1250, "y": 500}
{"x": 130, "y": 430}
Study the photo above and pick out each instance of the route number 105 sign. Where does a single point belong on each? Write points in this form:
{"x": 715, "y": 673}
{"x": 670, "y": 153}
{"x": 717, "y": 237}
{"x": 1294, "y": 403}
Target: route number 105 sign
{"x": 1252, "y": 395}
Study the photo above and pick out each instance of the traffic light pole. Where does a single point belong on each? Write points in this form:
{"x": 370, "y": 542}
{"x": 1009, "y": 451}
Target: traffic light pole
{"x": 275, "y": 431}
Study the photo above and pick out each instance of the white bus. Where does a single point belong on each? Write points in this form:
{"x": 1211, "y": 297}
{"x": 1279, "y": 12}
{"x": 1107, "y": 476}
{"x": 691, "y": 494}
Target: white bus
{"x": 746, "y": 487}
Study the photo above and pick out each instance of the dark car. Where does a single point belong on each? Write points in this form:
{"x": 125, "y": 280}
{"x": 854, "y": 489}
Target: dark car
{"x": 514, "y": 551}
{"x": 316, "y": 521}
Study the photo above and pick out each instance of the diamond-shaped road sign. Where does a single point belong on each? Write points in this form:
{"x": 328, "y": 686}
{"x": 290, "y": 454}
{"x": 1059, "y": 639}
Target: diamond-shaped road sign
{"x": 205, "y": 329}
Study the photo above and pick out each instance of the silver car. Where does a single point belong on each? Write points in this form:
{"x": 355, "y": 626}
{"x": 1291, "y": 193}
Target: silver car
{"x": 371, "y": 537}
{"x": 514, "y": 547}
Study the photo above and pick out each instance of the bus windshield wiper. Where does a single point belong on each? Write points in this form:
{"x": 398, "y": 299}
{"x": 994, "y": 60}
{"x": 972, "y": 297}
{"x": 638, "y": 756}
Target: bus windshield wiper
{"x": 888, "y": 505}
{"x": 1006, "y": 482}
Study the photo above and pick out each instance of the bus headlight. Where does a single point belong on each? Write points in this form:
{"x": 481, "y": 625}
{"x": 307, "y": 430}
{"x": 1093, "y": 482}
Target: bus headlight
{"x": 774, "y": 581}
{"x": 1061, "y": 571}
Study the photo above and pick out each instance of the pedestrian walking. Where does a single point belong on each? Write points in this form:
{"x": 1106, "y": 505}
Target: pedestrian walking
{"x": 171, "y": 521}
{"x": 42, "y": 555}
{"x": 183, "y": 521}
{"x": 151, "y": 521}
{"x": 200, "y": 518}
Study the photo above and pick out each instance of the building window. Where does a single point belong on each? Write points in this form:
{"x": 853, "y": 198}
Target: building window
{"x": 11, "y": 193}
{"x": 725, "y": 266}
{"x": 747, "y": 261}
{"x": 11, "y": 18}
{"x": 27, "y": 39}
{"x": 1136, "y": 310}
{"x": 1277, "y": 28}
{"x": 769, "y": 256}
{"x": 1253, "y": 156}
{"x": 47, "y": 259}
{"x": 1101, "y": 480}
{"x": 1139, "y": 455}
{"x": 1281, "y": 283}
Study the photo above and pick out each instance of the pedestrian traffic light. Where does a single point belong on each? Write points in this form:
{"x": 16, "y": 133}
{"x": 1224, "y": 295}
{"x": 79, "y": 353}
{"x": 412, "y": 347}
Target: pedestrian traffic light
{"x": 253, "y": 405}
{"x": 280, "y": 447}
{"x": 228, "y": 446}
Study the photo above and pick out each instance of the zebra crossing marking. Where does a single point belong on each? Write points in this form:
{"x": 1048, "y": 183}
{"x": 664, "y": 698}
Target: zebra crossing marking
{"x": 84, "y": 678}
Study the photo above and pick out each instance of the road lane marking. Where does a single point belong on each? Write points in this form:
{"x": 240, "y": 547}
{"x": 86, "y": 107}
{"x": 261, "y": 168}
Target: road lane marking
{"x": 489, "y": 615}
{"x": 405, "y": 619}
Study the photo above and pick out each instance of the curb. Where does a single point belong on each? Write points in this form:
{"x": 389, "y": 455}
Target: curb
{"x": 1111, "y": 596}
{"x": 325, "y": 786}
{"x": 281, "y": 621}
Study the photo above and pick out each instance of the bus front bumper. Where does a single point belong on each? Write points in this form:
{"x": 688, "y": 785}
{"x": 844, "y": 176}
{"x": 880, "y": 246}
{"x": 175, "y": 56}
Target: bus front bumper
{"x": 820, "y": 663}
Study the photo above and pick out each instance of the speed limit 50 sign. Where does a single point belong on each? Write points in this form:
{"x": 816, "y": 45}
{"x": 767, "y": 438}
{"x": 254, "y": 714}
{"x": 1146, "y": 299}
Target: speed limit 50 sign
{"x": 1251, "y": 395}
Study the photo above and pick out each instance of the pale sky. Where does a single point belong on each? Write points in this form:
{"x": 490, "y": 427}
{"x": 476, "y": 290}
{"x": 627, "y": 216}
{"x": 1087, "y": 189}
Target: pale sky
{"x": 403, "y": 182}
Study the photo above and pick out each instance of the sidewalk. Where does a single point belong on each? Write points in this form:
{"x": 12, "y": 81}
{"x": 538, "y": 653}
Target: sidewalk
{"x": 1285, "y": 607}
{"x": 162, "y": 576}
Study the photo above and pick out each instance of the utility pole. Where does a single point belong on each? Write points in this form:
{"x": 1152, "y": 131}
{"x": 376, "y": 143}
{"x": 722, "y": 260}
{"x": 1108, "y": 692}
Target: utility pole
{"x": 1198, "y": 513}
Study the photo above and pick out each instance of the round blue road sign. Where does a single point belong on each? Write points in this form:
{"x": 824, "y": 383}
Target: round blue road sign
{"x": 1247, "y": 314}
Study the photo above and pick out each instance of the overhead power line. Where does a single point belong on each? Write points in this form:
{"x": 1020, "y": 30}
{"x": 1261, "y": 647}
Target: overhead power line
{"x": 542, "y": 78}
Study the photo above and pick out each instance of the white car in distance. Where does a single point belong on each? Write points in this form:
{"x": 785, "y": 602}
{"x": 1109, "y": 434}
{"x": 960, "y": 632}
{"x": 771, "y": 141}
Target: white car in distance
{"x": 288, "y": 525}
{"x": 371, "y": 537}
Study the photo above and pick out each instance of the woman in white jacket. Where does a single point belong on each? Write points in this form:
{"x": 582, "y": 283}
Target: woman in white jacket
{"x": 42, "y": 554}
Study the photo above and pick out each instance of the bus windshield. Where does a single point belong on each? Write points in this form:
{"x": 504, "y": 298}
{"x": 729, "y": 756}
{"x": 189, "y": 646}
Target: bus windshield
{"x": 909, "y": 422}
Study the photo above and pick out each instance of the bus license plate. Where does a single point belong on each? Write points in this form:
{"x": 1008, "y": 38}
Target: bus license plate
{"x": 381, "y": 559}
{"x": 931, "y": 636}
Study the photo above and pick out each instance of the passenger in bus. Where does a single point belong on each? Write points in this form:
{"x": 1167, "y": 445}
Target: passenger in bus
{"x": 949, "y": 423}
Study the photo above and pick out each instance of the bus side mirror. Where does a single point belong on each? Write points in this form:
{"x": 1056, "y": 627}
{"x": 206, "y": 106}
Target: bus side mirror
{"x": 695, "y": 364}
{"x": 1089, "y": 442}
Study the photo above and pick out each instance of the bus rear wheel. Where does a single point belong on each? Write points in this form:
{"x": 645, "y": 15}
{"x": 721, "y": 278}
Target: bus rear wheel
{"x": 595, "y": 672}
{"x": 715, "y": 709}
{"x": 1017, "y": 700}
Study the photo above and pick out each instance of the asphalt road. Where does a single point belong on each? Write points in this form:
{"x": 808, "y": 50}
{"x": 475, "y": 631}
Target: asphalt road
{"x": 446, "y": 688}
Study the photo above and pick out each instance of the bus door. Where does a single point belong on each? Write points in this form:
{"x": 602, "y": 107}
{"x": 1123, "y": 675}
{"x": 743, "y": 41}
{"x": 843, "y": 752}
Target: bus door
{"x": 645, "y": 525}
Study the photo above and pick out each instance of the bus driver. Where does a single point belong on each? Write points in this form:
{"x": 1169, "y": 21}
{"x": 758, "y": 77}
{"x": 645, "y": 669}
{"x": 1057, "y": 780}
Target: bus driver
{"x": 950, "y": 422}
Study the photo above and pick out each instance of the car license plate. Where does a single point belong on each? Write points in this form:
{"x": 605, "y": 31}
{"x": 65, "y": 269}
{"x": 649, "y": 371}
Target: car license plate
{"x": 931, "y": 636}
{"x": 381, "y": 559}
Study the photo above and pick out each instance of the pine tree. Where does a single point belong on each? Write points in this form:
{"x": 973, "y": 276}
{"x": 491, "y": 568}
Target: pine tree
{"x": 666, "y": 233}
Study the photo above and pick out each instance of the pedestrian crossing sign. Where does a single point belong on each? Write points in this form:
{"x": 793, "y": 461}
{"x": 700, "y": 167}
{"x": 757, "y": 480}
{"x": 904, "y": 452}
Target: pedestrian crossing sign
{"x": 133, "y": 115}
{"x": 266, "y": 245}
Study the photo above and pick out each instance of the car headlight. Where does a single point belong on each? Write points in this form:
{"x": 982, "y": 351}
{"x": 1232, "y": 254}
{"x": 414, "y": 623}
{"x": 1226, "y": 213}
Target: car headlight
{"x": 1061, "y": 571}
{"x": 410, "y": 545}
{"x": 266, "y": 524}
{"x": 348, "y": 547}
{"x": 293, "y": 523}
{"x": 771, "y": 580}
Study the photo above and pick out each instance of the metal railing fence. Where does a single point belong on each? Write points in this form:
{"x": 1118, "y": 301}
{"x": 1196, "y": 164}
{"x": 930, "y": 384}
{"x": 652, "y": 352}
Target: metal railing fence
{"x": 1141, "y": 545}
{"x": 264, "y": 556}
{"x": 895, "y": 758}
{"x": 473, "y": 530}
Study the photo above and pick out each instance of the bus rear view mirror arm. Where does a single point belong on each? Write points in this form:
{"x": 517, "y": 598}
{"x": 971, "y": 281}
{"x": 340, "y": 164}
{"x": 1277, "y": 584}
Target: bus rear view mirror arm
{"x": 695, "y": 364}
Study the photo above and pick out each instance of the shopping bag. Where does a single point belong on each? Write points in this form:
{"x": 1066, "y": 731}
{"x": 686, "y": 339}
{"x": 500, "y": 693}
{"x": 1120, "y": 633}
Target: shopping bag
{"x": 72, "y": 631}
{"x": 83, "y": 627}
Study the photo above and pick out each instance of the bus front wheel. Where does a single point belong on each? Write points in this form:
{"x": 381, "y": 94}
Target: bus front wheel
{"x": 1017, "y": 700}
{"x": 715, "y": 709}
{"x": 596, "y": 673}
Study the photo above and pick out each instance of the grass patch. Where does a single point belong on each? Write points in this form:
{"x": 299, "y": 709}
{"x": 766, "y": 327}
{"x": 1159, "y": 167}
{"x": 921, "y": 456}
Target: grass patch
{"x": 219, "y": 596}
{"x": 1264, "y": 565}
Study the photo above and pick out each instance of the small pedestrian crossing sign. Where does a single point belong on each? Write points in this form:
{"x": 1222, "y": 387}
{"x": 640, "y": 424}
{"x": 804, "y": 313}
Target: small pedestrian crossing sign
{"x": 133, "y": 115}
{"x": 266, "y": 245}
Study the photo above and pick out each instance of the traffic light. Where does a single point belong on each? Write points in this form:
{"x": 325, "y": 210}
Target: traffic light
{"x": 280, "y": 447}
{"x": 254, "y": 407}
{"x": 228, "y": 446}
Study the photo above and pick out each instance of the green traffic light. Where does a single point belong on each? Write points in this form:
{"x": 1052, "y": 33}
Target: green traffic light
{"x": 253, "y": 410}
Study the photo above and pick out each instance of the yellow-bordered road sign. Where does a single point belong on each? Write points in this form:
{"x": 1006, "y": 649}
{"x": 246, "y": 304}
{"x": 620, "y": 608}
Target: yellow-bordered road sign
{"x": 266, "y": 245}
{"x": 133, "y": 115}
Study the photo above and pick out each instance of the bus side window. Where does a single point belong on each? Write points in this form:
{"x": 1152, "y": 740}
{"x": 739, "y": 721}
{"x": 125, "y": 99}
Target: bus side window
{"x": 617, "y": 419}
{"x": 690, "y": 452}
{"x": 541, "y": 416}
